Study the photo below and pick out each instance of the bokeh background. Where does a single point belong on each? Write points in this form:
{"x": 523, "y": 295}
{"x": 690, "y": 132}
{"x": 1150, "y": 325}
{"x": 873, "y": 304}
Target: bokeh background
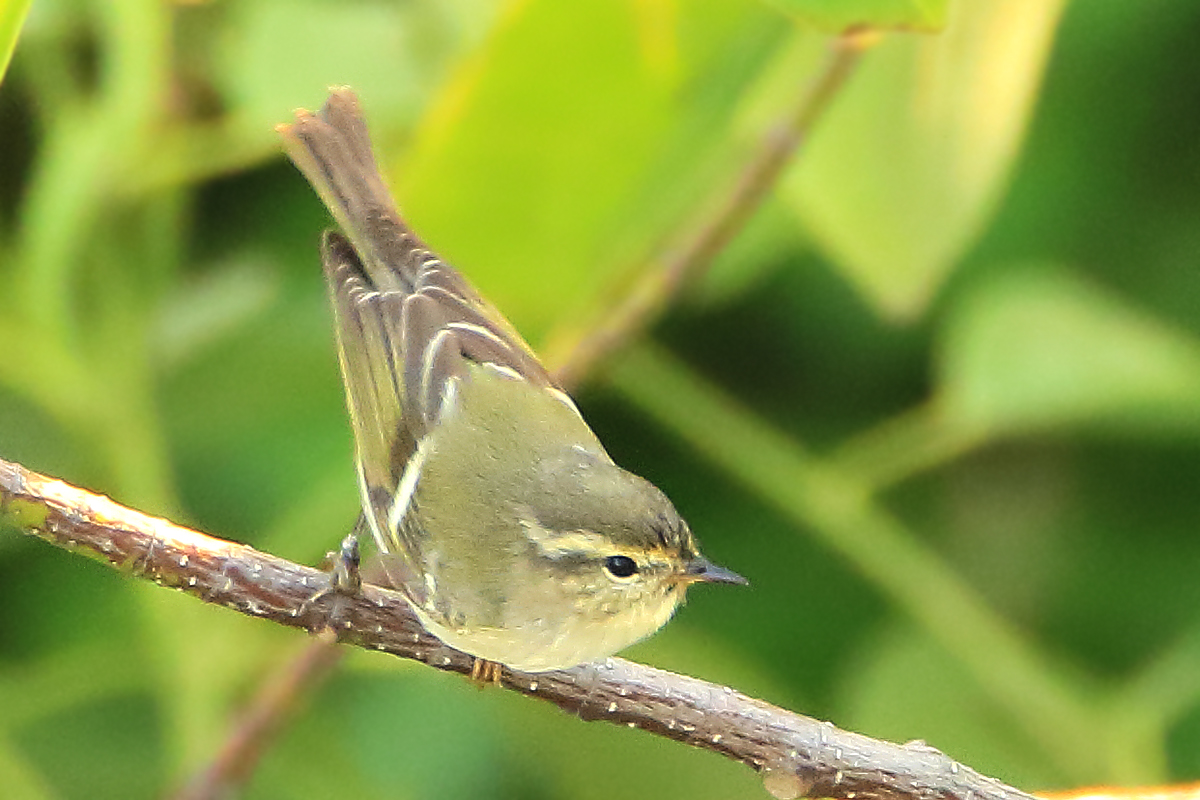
{"x": 940, "y": 401}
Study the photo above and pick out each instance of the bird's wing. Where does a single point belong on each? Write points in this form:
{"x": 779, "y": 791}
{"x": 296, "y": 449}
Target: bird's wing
{"x": 406, "y": 320}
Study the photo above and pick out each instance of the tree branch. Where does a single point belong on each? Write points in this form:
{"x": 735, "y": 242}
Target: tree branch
{"x": 798, "y": 755}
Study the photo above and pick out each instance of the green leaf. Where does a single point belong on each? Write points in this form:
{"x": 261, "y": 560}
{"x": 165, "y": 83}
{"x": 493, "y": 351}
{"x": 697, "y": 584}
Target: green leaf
{"x": 904, "y": 172}
{"x": 12, "y": 19}
{"x": 21, "y": 778}
{"x": 841, "y": 15}
{"x": 571, "y": 139}
{"x": 278, "y": 56}
{"x": 532, "y": 145}
{"x": 1036, "y": 348}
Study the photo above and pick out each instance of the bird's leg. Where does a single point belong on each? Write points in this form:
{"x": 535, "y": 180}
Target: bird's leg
{"x": 344, "y": 578}
{"x": 484, "y": 672}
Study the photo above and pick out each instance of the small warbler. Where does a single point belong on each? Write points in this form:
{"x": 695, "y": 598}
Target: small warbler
{"x": 496, "y": 511}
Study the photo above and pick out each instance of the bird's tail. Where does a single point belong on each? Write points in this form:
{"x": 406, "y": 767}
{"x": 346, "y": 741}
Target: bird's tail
{"x": 333, "y": 150}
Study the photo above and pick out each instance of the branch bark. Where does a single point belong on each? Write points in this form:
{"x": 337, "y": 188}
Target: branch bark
{"x": 797, "y": 755}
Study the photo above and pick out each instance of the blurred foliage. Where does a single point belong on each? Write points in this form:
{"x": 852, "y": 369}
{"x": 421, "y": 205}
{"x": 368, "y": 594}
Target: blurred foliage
{"x": 940, "y": 401}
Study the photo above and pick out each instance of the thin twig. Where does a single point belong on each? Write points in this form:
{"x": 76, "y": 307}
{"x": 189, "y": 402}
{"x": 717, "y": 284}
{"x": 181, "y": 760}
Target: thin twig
{"x": 797, "y": 755}
{"x": 718, "y": 221}
{"x": 261, "y": 721}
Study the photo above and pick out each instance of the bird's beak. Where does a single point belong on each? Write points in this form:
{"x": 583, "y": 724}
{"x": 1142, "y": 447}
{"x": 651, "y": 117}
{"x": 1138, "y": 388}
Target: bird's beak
{"x": 701, "y": 570}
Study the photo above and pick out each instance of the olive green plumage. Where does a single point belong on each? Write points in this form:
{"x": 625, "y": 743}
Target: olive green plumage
{"x": 496, "y": 510}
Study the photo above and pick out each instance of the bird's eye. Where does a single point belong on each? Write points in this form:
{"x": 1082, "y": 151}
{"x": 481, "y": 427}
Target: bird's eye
{"x": 621, "y": 566}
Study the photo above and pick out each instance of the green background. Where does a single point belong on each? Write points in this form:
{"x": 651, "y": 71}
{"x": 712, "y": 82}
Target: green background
{"x": 940, "y": 401}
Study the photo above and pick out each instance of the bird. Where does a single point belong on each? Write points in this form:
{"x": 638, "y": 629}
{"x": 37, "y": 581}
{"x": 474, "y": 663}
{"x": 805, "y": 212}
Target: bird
{"x": 495, "y": 510}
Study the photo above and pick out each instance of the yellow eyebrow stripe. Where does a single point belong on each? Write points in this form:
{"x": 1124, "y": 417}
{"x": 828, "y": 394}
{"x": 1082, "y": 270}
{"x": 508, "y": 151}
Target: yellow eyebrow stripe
{"x": 558, "y": 544}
